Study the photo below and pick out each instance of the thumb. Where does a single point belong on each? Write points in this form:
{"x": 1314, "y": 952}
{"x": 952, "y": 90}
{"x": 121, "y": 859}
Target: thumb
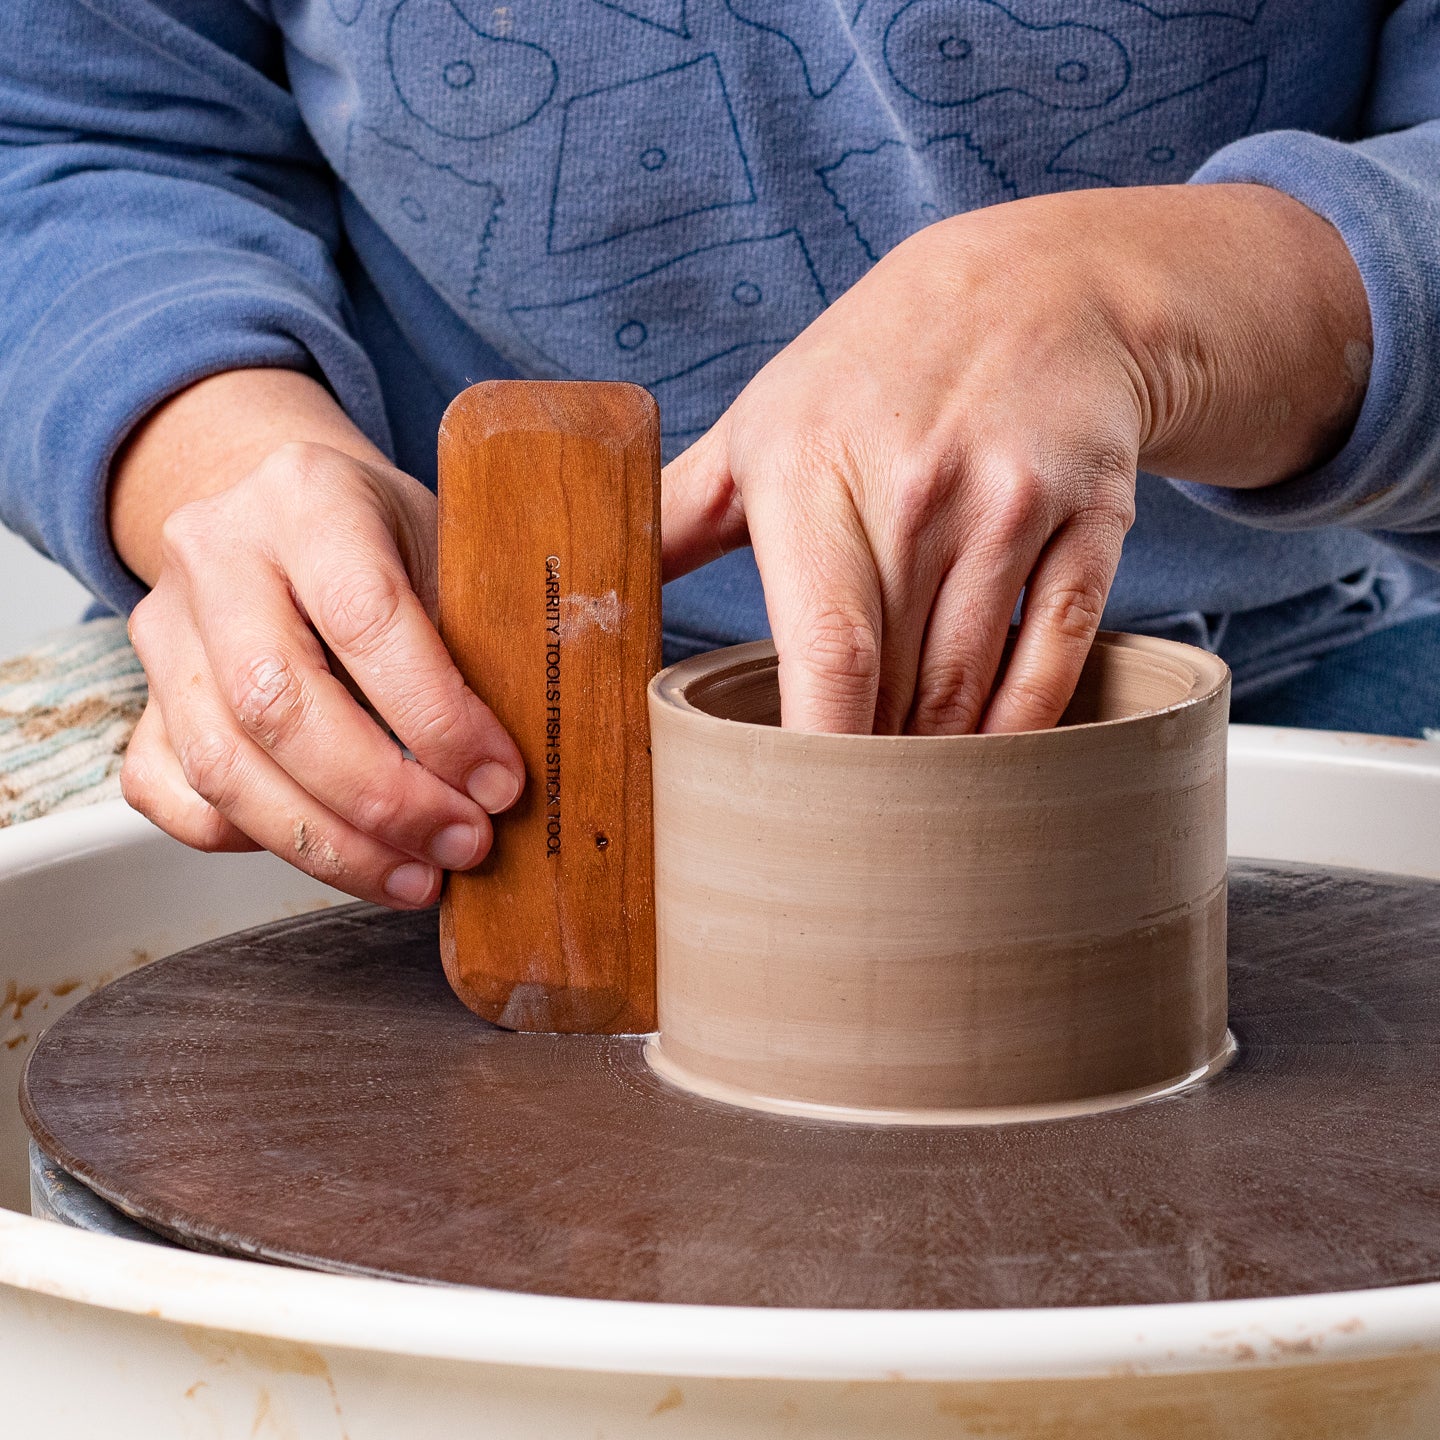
{"x": 702, "y": 514}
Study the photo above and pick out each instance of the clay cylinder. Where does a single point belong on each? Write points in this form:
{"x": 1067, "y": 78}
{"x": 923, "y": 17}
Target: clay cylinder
{"x": 930, "y": 928}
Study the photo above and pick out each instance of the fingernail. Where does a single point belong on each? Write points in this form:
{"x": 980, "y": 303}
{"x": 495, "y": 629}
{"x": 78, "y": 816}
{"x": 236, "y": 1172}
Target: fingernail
{"x": 493, "y": 788}
{"x": 411, "y": 883}
{"x": 454, "y": 847}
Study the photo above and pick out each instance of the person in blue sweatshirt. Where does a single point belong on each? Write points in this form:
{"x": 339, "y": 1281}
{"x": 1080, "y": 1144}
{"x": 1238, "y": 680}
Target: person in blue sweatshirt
{"x": 1120, "y": 309}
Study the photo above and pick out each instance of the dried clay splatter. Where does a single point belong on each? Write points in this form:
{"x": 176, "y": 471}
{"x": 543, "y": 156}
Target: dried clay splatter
{"x": 579, "y": 613}
{"x": 317, "y": 849}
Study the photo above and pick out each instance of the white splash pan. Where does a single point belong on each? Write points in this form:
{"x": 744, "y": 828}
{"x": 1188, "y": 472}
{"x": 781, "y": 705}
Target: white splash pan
{"x": 101, "y": 1336}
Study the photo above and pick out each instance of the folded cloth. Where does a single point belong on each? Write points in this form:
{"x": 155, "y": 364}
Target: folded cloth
{"x": 67, "y": 711}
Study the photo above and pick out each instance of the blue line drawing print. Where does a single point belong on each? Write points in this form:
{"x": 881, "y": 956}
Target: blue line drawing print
{"x": 425, "y": 210}
{"x": 691, "y": 403}
{"x": 637, "y": 154}
{"x": 1246, "y": 10}
{"x": 895, "y": 189}
{"x": 674, "y": 325}
{"x": 662, "y": 14}
{"x": 824, "y": 48}
{"x": 347, "y": 12}
{"x": 954, "y": 52}
{"x": 461, "y": 81}
{"x": 1164, "y": 142}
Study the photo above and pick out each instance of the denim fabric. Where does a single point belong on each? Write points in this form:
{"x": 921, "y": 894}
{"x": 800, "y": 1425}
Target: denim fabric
{"x": 1385, "y": 684}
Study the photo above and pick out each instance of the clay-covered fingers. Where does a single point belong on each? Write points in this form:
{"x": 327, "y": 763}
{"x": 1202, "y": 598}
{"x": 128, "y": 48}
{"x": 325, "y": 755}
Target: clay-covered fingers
{"x": 355, "y": 590}
{"x": 271, "y": 671}
{"x": 153, "y": 782}
{"x": 252, "y": 736}
{"x": 917, "y": 524}
{"x": 823, "y": 597}
{"x": 1064, "y": 600}
{"x": 340, "y": 545}
{"x": 234, "y": 776}
{"x": 966, "y": 634}
{"x": 1051, "y": 532}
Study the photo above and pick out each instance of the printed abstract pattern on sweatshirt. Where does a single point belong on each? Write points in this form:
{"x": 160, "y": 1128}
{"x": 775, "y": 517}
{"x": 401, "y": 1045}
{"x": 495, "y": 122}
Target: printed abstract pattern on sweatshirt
{"x": 669, "y": 190}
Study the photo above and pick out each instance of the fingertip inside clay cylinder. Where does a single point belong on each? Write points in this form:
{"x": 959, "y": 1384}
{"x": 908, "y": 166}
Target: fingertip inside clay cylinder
{"x": 942, "y": 929}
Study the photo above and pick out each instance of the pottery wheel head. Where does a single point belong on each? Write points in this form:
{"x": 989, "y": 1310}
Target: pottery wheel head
{"x": 312, "y": 1093}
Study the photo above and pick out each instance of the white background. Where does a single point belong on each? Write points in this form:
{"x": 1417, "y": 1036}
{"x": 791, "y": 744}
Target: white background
{"x": 35, "y": 595}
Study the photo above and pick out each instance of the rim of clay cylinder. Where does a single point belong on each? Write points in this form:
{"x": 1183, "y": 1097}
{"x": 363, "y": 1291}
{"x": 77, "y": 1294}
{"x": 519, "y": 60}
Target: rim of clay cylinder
{"x": 1163, "y": 694}
{"x": 686, "y": 684}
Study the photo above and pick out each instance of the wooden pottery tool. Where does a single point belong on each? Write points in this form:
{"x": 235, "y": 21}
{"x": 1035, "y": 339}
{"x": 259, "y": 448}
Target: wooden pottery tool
{"x": 550, "y": 604}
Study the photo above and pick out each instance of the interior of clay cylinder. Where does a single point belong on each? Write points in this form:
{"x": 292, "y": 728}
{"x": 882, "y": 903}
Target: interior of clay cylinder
{"x": 942, "y": 929}
{"x": 1120, "y": 680}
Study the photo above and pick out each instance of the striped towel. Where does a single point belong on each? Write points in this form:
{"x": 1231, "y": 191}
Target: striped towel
{"x": 67, "y": 711}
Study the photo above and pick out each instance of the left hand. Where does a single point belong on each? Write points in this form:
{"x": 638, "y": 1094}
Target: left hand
{"x": 964, "y": 427}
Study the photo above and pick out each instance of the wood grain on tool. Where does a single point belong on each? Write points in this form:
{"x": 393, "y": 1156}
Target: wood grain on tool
{"x": 311, "y": 1092}
{"x": 550, "y": 604}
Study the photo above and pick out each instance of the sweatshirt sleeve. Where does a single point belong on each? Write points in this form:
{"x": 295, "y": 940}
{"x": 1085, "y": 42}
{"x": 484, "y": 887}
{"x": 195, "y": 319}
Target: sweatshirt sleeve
{"x": 164, "y": 216}
{"x": 1382, "y": 193}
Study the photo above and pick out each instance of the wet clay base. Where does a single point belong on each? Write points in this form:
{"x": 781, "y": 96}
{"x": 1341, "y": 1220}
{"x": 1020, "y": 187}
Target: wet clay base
{"x": 661, "y": 1063}
{"x": 312, "y": 1093}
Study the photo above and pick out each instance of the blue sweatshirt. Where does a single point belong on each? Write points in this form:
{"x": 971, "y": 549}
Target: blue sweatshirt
{"x": 403, "y": 196}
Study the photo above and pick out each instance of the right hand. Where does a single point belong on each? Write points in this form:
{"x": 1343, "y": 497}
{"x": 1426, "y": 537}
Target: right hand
{"x": 277, "y": 601}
